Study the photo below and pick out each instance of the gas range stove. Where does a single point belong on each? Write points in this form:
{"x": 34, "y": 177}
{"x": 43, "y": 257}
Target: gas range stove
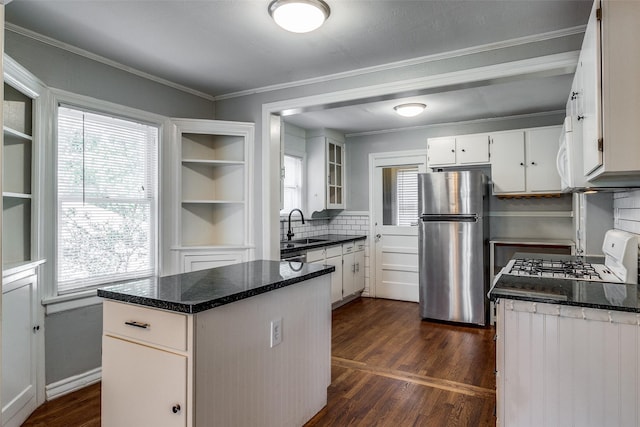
{"x": 570, "y": 269}
{"x": 621, "y": 263}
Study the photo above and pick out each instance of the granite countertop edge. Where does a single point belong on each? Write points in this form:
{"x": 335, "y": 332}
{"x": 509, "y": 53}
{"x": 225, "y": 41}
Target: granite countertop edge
{"x": 200, "y": 306}
{"x": 497, "y": 296}
{"x": 328, "y": 240}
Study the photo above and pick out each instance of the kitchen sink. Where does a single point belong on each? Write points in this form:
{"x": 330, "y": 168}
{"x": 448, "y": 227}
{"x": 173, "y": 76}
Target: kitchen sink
{"x": 299, "y": 242}
{"x": 306, "y": 241}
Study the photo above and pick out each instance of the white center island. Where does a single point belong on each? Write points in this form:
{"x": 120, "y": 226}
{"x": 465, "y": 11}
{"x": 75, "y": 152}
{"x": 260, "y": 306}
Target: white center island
{"x": 242, "y": 345}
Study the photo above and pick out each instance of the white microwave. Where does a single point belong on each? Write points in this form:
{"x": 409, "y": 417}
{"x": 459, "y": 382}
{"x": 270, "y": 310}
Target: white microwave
{"x": 569, "y": 160}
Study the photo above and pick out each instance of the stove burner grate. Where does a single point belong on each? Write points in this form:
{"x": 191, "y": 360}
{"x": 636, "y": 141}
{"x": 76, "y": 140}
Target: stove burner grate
{"x": 575, "y": 269}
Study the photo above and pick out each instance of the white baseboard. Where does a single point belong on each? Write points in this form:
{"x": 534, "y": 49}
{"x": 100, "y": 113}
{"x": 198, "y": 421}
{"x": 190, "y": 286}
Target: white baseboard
{"x": 74, "y": 383}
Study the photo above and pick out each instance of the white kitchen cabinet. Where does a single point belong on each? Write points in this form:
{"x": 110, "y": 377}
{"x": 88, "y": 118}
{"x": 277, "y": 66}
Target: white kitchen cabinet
{"x": 348, "y": 259}
{"x": 458, "y": 150}
{"x": 524, "y": 161}
{"x": 325, "y": 173}
{"x": 22, "y": 341}
{"x": 353, "y": 268}
{"x": 212, "y": 192}
{"x": 609, "y": 64}
{"x": 334, "y": 258}
{"x": 156, "y": 385}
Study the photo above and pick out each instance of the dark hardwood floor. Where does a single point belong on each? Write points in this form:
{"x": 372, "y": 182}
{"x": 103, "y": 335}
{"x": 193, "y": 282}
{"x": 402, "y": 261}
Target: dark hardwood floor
{"x": 388, "y": 369}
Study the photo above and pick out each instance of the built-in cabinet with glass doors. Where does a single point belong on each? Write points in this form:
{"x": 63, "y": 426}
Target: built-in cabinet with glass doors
{"x": 325, "y": 173}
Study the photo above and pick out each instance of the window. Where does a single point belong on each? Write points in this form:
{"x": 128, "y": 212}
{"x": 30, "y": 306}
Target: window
{"x": 407, "y": 190}
{"x": 292, "y": 183}
{"x": 106, "y": 199}
{"x": 400, "y": 195}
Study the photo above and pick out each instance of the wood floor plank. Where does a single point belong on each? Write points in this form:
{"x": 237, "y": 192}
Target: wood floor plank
{"x": 389, "y": 368}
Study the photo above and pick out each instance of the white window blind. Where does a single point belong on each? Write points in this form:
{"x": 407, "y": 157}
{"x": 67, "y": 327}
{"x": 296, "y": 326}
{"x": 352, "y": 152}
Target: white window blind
{"x": 106, "y": 199}
{"x": 407, "y": 192}
{"x": 292, "y": 183}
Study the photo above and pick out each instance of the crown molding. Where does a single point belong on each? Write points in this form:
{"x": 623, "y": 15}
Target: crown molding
{"x": 412, "y": 62}
{"x": 95, "y": 57}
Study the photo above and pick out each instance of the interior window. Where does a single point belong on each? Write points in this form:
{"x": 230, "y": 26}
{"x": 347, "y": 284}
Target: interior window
{"x": 292, "y": 183}
{"x": 106, "y": 199}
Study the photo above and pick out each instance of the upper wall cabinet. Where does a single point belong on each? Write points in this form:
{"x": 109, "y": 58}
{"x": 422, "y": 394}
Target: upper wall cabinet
{"x": 325, "y": 173}
{"x": 213, "y": 161}
{"x": 524, "y": 161}
{"x": 458, "y": 150}
{"x": 608, "y": 92}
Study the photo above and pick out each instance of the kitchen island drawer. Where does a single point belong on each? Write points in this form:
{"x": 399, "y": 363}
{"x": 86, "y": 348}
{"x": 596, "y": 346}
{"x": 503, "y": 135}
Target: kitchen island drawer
{"x": 146, "y": 325}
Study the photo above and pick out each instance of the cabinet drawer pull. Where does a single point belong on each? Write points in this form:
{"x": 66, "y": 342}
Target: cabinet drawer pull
{"x": 137, "y": 324}
{"x": 175, "y": 409}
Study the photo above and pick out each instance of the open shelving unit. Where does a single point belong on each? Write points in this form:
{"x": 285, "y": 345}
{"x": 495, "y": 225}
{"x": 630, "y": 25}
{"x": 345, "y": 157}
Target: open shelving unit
{"x": 213, "y": 192}
{"x": 17, "y": 172}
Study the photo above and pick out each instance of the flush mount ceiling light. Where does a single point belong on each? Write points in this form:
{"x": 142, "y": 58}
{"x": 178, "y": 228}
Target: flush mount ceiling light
{"x": 299, "y": 16}
{"x": 410, "y": 110}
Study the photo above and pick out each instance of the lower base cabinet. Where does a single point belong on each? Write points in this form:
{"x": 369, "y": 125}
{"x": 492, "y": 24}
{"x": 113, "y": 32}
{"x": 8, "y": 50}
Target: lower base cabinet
{"x": 348, "y": 259}
{"x": 157, "y": 379}
{"x": 561, "y": 365}
{"x": 217, "y": 367}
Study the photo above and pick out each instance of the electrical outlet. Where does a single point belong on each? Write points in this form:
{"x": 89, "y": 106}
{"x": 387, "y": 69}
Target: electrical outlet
{"x": 276, "y": 332}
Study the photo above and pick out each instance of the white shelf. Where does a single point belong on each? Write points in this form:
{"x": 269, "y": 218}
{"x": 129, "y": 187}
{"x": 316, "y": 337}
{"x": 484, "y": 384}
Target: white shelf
{"x": 16, "y": 195}
{"x": 215, "y": 162}
{"x": 211, "y": 202}
{"x": 533, "y": 214}
{"x": 12, "y": 132}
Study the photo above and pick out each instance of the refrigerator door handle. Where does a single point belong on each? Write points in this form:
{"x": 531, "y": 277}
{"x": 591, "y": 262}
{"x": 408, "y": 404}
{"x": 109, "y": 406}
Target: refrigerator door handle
{"x": 448, "y": 218}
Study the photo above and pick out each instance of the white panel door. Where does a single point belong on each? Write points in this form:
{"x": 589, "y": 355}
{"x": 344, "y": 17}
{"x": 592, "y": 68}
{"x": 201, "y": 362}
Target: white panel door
{"x": 541, "y": 173}
{"x": 18, "y": 351}
{"x": 396, "y": 233}
{"x": 507, "y": 162}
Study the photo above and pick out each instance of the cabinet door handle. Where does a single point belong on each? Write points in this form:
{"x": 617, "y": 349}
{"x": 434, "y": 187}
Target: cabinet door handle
{"x": 464, "y": 151}
{"x": 580, "y": 118}
{"x": 521, "y": 164}
{"x": 137, "y": 324}
{"x": 357, "y": 266}
{"x": 176, "y": 408}
{"x": 453, "y": 151}
{"x": 533, "y": 163}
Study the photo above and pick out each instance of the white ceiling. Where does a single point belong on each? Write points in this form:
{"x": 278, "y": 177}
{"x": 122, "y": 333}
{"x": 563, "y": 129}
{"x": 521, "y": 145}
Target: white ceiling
{"x": 225, "y": 46}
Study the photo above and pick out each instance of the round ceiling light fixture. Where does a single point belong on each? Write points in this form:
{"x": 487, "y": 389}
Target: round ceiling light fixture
{"x": 299, "y": 16}
{"x": 410, "y": 110}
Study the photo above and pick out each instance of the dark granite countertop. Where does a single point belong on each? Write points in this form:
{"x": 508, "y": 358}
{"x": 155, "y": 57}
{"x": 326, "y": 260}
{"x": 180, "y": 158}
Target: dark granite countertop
{"x": 325, "y": 240}
{"x": 581, "y": 293}
{"x": 202, "y": 290}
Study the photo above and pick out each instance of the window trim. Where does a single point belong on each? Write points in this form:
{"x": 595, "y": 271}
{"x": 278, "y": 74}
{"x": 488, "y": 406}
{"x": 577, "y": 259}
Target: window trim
{"x": 52, "y": 299}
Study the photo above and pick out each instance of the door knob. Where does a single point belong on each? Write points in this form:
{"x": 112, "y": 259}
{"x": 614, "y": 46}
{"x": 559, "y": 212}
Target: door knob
{"x": 176, "y": 408}
{"x": 378, "y": 236}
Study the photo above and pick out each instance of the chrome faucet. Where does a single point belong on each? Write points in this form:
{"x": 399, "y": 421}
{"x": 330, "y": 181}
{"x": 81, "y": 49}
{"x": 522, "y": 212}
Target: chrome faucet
{"x": 289, "y": 232}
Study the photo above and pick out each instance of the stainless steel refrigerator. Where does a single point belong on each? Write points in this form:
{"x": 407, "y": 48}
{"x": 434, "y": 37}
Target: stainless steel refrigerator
{"x": 453, "y": 234}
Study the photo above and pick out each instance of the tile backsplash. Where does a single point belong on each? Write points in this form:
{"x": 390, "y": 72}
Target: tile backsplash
{"x": 626, "y": 211}
{"x": 348, "y": 223}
